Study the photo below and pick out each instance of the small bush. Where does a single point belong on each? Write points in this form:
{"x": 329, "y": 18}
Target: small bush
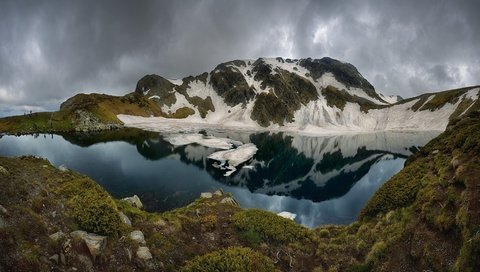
{"x": 233, "y": 259}
{"x": 92, "y": 208}
{"x": 270, "y": 226}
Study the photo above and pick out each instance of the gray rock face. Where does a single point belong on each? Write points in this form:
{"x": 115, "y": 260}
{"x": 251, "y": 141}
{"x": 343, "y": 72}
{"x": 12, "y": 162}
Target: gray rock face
{"x": 124, "y": 218}
{"x": 137, "y": 236}
{"x": 95, "y": 243}
{"x": 144, "y": 253}
{"x": 134, "y": 201}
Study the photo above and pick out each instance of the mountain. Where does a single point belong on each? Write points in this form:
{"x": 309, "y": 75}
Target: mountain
{"x": 310, "y": 95}
{"x": 307, "y": 95}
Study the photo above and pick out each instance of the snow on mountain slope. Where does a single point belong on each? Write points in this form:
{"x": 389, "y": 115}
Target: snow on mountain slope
{"x": 391, "y": 99}
{"x": 322, "y": 96}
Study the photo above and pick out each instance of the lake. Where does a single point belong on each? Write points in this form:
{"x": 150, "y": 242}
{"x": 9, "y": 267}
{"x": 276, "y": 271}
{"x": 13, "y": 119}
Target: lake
{"x": 324, "y": 180}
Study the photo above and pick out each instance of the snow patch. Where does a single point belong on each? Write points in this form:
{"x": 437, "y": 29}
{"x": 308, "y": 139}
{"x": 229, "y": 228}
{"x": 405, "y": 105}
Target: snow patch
{"x": 230, "y": 159}
{"x": 208, "y": 141}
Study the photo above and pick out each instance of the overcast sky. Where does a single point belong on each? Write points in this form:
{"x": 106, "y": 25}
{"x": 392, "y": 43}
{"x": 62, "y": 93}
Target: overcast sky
{"x": 50, "y": 50}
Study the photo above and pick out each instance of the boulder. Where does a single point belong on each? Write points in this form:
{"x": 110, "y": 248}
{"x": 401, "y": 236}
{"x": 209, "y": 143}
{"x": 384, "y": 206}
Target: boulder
{"x": 218, "y": 192}
{"x": 206, "y": 195}
{"x": 230, "y": 201}
{"x": 144, "y": 253}
{"x": 134, "y": 201}
{"x": 95, "y": 243}
{"x": 57, "y": 236}
{"x": 137, "y": 236}
{"x": 63, "y": 168}
{"x": 125, "y": 219}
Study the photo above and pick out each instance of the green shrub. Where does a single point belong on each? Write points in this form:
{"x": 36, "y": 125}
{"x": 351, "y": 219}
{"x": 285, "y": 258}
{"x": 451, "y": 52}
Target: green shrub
{"x": 253, "y": 238}
{"x": 92, "y": 208}
{"x": 270, "y": 225}
{"x": 233, "y": 259}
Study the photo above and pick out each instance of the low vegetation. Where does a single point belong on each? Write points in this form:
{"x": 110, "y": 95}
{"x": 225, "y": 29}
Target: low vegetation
{"x": 231, "y": 259}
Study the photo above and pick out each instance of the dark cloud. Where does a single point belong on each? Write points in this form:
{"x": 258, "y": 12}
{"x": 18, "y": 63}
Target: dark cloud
{"x": 50, "y": 50}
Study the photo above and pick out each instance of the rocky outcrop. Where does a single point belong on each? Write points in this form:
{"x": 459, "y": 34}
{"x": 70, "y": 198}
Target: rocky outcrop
{"x": 134, "y": 201}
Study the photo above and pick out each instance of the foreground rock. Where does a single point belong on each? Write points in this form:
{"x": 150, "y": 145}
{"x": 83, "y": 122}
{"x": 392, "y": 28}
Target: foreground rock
{"x": 134, "y": 201}
{"x": 144, "y": 253}
{"x": 95, "y": 243}
{"x": 137, "y": 236}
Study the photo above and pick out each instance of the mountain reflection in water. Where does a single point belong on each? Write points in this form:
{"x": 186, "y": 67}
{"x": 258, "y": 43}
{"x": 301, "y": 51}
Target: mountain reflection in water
{"x": 324, "y": 180}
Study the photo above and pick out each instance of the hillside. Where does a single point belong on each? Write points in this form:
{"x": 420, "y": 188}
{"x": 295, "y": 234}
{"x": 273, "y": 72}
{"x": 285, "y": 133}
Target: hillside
{"x": 424, "y": 219}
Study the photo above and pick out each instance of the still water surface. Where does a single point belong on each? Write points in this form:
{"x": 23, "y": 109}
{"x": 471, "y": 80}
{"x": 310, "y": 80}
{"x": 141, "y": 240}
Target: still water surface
{"x": 324, "y": 180}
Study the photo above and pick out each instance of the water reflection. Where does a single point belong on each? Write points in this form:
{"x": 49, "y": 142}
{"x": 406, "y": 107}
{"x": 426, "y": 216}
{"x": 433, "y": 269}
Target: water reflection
{"x": 321, "y": 179}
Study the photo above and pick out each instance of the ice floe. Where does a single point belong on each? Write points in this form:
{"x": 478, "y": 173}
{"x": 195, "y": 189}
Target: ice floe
{"x": 196, "y": 138}
{"x": 230, "y": 159}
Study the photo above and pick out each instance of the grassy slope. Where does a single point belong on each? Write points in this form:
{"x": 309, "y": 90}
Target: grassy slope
{"x": 99, "y": 107}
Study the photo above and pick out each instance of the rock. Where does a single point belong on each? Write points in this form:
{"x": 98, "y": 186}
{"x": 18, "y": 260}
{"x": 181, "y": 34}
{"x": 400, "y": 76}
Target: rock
{"x": 129, "y": 254}
{"x": 134, "y": 201}
{"x": 287, "y": 215}
{"x": 67, "y": 245}
{"x": 63, "y": 261}
{"x": 4, "y": 171}
{"x": 137, "y": 236}
{"x": 78, "y": 234}
{"x": 144, "y": 253}
{"x": 160, "y": 223}
{"x": 435, "y": 151}
{"x": 125, "y": 219}
{"x": 218, "y": 192}
{"x": 230, "y": 201}
{"x": 206, "y": 195}
{"x": 54, "y": 258}
{"x": 455, "y": 163}
{"x": 3, "y": 210}
{"x": 63, "y": 168}
{"x": 57, "y": 236}
{"x": 95, "y": 243}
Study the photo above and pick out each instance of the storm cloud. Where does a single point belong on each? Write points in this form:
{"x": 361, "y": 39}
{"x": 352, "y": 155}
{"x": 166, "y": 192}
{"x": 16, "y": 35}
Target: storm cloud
{"x": 51, "y": 50}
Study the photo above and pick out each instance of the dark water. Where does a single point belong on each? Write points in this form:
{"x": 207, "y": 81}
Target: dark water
{"x": 324, "y": 180}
